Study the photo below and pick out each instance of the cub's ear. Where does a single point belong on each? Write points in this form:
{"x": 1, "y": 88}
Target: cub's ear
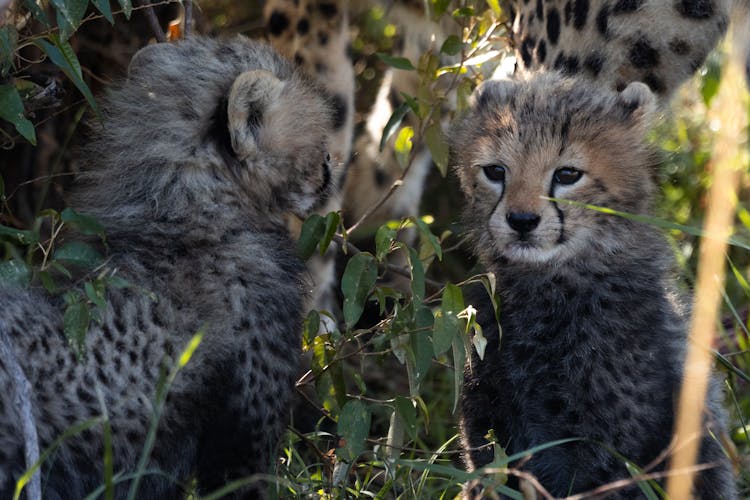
{"x": 156, "y": 53}
{"x": 495, "y": 92}
{"x": 637, "y": 102}
{"x": 252, "y": 93}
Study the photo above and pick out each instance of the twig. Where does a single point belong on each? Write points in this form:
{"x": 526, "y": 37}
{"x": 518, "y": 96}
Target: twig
{"x": 374, "y": 208}
{"x": 595, "y": 493}
{"x": 188, "y": 16}
{"x": 21, "y": 390}
{"x": 154, "y": 22}
{"x": 350, "y": 248}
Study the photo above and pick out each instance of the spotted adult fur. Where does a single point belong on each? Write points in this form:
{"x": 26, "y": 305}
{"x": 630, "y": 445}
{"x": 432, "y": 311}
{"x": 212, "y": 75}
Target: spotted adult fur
{"x": 199, "y": 157}
{"x": 315, "y": 36}
{"x": 658, "y": 42}
{"x": 593, "y": 330}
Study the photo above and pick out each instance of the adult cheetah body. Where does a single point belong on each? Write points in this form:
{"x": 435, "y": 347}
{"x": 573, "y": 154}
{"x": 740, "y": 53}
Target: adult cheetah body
{"x": 616, "y": 42}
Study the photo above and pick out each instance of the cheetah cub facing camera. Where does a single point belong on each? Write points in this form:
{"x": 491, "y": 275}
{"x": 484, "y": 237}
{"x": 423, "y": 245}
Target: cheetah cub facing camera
{"x": 593, "y": 333}
{"x": 204, "y": 149}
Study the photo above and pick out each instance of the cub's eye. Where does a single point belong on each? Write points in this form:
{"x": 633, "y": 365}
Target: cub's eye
{"x": 567, "y": 175}
{"x": 495, "y": 173}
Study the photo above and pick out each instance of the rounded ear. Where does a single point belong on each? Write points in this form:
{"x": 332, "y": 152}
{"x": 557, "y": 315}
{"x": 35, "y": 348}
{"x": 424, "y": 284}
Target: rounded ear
{"x": 149, "y": 55}
{"x": 638, "y": 102}
{"x": 494, "y": 92}
{"x": 250, "y": 96}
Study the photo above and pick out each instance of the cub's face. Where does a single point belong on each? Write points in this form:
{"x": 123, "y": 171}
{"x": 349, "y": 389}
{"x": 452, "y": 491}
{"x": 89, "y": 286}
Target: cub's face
{"x": 527, "y": 145}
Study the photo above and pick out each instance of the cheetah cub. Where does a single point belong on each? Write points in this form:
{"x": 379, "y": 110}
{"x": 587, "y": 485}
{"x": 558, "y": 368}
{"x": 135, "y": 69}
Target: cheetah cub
{"x": 204, "y": 150}
{"x": 593, "y": 332}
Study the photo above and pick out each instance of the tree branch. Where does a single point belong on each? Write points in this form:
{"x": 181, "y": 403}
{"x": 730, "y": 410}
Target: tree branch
{"x": 153, "y": 21}
{"x": 188, "y": 17}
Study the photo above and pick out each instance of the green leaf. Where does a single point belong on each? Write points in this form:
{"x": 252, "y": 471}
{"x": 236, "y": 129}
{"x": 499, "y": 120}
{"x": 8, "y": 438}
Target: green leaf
{"x": 464, "y": 12}
{"x": 70, "y": 13}
{"x": 439, "y": 7}
{"x": 127, "y": 7}
{"x": 403, "y": 145}
{"x": 489, "y": 282}
{"x": 76, "y": 324}
{"x": 117, "y": 282}
{"x": 406, "y": 409}
{"x": 11, "y": 110}
{"x": 61, "y": 269}
{"x": 310, "y": 328}
{"x": 322, "y": 355}
{"x": 438, "y": 146}
{"x": 62, "y": 55}
{"x": 421, "y": 343}
{"x": 393, "y": 123}
{"x": 396, "y": 62}
{"x": 711, "y": 80}
{"x": 417, "y": 275}
{"x": 36, "y": 11}
{"x": 8, "y": 42}
{"x": 459, "y": 358}
{"x": 451, "y": 46}
{"x": 644, "y": 486}
{"x": 47, "y": 282}
{"x": 104, "y": 7}
{"x": 443, "y": 331}
{"x": 79, "y": 254}
{"x": 654, "y": 221}
{"x": 383, "y": 240}
{"x": 332, "y": 223}
{"x": 412, "y": 103}
{"x": 359, "y": 277}
{"x": 313, "y": 229}
{"x": 20, "y": 236}
{"x": 82, "y": 222}
{"x": 353, "y": 427}
{"x": 424, "y": 229}
{"x": 14, "y": 273}
{"x": 95, "y": 292}
{"x": 495, "y": 6}
{"x": 447, "y": 325}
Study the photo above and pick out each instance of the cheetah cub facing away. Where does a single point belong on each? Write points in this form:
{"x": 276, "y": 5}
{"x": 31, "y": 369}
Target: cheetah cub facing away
{"x": 204, "y": 149}
{"x": 593, "y": 334}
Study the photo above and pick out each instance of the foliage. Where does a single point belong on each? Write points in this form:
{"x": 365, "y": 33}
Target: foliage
{"x": 386, "y": 381}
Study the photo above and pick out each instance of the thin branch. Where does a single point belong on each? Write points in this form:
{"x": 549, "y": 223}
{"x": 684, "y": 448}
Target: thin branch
{"x": 188, "y": 17}
{"x": 21, "y": 390}
{"x": 596, "y": 493}
{"x": 154, "y": 22}
{"x": 374, "y": 208}
{"x": 350, "y": 248}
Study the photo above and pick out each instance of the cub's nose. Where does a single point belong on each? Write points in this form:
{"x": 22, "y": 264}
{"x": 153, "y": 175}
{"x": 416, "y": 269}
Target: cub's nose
{"x": 523, "y": 222}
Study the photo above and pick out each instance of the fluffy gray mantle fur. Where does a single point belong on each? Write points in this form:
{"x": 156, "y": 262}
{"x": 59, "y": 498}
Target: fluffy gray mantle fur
{"x": 204, "y": 149}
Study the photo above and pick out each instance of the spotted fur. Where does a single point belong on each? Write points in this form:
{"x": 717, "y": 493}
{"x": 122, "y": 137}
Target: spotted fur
{"x": 658, "y": 42}
{"x": 593, "y": 329}
{"x": 195, "y": 165}
{"x": 315, "y": 36}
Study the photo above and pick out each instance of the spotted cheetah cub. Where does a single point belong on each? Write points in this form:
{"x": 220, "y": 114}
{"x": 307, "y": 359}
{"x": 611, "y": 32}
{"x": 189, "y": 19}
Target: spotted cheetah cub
{"x": 593, "y": 333}
{"x": 204, "y": 149}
